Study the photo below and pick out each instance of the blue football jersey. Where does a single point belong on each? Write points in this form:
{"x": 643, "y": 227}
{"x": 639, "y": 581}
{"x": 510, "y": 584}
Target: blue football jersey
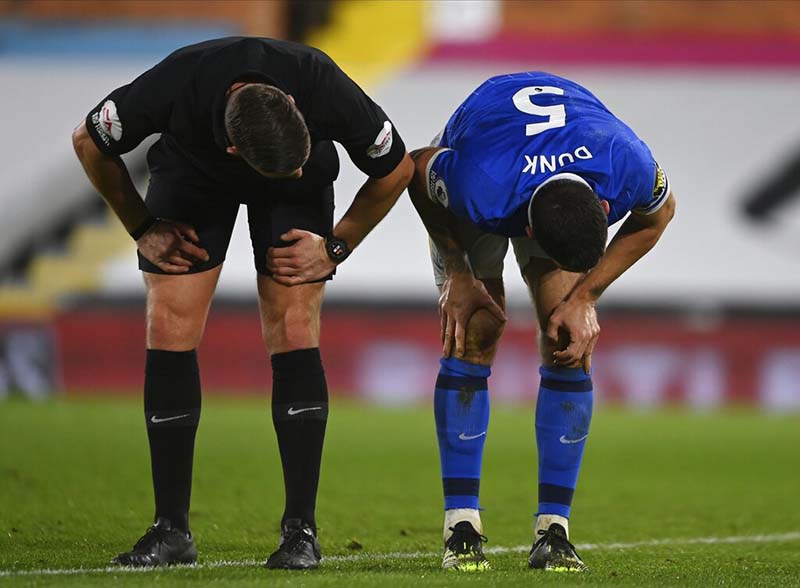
{"x": 517, "y": 130}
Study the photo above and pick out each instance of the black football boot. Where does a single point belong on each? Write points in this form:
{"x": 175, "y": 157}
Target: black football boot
{"x": 553, "y": 552}
{"x": 298, "y": 549}
{"x": 463, "y": 550}
{"x": 161, "y": 545}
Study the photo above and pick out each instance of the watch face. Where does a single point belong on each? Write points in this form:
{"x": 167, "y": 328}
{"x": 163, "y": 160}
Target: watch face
{"x": 337, "y": 249}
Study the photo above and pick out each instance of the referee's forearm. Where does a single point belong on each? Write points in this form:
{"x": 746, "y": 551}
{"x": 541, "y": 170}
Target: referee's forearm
{"x": 373, "y": 202}
{"x": 110, "y": 177}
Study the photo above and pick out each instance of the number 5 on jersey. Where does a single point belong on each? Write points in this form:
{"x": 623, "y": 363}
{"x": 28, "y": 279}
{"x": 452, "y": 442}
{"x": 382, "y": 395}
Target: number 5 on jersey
{"x": 556, "y": 114}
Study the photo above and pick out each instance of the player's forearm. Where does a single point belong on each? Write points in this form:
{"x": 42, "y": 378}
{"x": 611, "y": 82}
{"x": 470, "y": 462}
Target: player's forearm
{"x": 439, "y": 222}
{"x": 448, "y": 248}
{"x": 372, "y": 203}
{"x": 623, "y": 251}
{"x": 636, "y": 237}
{"x": 110, "y": 177}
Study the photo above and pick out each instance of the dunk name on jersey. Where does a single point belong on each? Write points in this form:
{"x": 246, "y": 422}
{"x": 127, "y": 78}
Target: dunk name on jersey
{"x": 544, "y": 163}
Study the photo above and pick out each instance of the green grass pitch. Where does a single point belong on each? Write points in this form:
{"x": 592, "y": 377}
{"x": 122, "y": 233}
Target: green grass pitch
{"x": 75, "y": 490}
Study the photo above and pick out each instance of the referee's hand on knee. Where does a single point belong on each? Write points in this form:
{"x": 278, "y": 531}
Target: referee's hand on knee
{"x": 172, "y": 246}
{"x": 304, "y": 260}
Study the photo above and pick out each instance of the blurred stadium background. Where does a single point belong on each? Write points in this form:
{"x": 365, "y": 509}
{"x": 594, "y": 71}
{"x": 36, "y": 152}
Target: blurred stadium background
{"x": 711, "y": 317}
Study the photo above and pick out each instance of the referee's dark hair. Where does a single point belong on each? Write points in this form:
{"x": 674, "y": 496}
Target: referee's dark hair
{"x": 570, "y": 224}
{"x": 267, "y": 129}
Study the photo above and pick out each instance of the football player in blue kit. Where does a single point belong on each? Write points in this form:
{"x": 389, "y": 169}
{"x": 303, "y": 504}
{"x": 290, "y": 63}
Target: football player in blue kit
{"x": 537, "y": 160}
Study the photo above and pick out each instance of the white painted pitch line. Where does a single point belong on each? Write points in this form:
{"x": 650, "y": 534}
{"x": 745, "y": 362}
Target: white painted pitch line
{"x": 774, "y": 538}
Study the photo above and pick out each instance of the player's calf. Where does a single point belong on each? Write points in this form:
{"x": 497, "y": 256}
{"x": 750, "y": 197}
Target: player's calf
{"x": 563, "y": 414}
{"x": 461, "y": 408}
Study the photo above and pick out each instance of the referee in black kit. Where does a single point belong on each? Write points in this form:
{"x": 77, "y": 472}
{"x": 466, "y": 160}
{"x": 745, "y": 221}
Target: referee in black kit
{"x": 242, "y": 121}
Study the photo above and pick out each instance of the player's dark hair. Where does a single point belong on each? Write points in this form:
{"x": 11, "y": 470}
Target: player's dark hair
{"x": 570, "y": 224}
{"x": 267, "y": 129}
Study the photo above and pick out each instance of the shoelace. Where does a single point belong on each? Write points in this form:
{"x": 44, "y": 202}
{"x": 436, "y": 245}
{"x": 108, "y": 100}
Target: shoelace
{"x": 556, "y": 537}
{"x": 296, "y": 538}
{"x": 152, "y": 535}
{"x": 470, "y": 539}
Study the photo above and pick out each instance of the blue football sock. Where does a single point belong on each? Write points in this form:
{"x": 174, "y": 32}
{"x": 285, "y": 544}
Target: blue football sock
{"x": 461, "y": 408}
{"x": 563, "y": 414}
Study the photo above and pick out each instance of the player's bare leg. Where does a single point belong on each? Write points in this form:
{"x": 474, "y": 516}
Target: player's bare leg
{"x": 563, "y": 413}
{"x": 177, "y": 308}
{"x": 290, "y": 322}
{"x": 462, "y": 412}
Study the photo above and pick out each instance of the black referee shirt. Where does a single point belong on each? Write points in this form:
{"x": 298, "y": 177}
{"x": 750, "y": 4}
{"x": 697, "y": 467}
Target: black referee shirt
{"x": 183, "y": 98}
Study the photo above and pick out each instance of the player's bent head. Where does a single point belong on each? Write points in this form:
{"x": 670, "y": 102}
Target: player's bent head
{"x": 267, "y": 130}
{"x": 569, "y": 223}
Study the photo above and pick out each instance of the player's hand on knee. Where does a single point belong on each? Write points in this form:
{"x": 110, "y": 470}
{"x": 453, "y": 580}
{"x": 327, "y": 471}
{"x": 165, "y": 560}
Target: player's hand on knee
{"x": 172, "y": 246}
{"x": 305, "y": 260}
{"x": 587, "y": 356}
{"x": 578, "y": 319}
{"x": 462, "y": 295}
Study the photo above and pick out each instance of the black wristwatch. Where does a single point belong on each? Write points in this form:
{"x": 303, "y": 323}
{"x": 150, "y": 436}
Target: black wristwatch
{"x": 337, "y": 249}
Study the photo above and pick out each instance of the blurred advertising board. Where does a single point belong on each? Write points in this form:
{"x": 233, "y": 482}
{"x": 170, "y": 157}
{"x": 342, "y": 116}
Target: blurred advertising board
{"x": 28, "y": 359}
{"x": 391, "y": 357}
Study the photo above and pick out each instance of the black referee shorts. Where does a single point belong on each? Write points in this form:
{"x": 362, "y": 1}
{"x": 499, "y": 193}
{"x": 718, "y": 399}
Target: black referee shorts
{"x": 273, "y": 208}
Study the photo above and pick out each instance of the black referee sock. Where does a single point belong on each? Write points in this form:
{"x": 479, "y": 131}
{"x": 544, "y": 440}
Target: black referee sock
{"x": 172, "y": 411}
{"x": 300, "y": 413}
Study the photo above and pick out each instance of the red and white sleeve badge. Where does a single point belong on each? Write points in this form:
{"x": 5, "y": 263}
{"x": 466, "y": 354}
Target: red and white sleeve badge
{"x": 383, "y": 142}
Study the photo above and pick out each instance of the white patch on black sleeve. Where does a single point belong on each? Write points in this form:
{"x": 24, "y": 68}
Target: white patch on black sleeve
{"x": 107, "y": 123}
{"x": 383, "y": 142}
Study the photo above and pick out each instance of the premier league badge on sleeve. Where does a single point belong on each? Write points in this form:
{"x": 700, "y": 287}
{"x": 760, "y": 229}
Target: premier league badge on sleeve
{"x": 437, "y": 189}
{"x": 107, "y": 123}
{"x": 383, "y": 142}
